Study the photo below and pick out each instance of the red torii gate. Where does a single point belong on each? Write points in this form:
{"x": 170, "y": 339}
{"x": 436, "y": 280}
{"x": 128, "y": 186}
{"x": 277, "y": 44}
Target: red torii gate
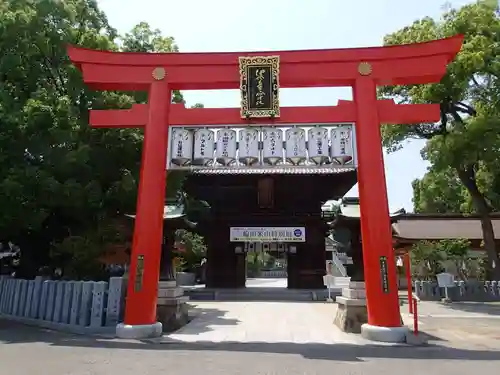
{"x": 363, "y": 69}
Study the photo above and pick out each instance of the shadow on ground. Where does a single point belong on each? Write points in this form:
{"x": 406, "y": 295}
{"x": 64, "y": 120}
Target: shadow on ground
{"x": 13, "y": 333}
{"x": 200, "y": 316}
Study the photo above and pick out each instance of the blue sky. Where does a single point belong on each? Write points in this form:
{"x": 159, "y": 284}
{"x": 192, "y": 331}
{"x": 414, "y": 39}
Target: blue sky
{"x": 266, "y": 25}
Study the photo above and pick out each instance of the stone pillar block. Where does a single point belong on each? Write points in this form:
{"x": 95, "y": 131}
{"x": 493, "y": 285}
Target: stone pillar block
{"x": 29, "y": 298}
{"x": 172, "y": 310}
{"x": 351, "y": 310}
{"x": 4, "y": 282}
{"x": 76, "y": 301}
{"x": 37, "y": 297}
{"x": 12, "y": 295}
{"x": 2, "y": 290}
{"x": 22, "y": 297}
{"x": 14, "y": 307}
{"x": 418, "y": 288}
{"x": 116, "y": 299}
{"x": 68, "y": 298}
{"x": 167, "y": 284}
{"x": 5, "y": 295}
{"x": 44, "y": 299}
{"x": 51, "y": 298}
{"x": 60, "y": 285}
{"x": 86, "y": 305}
{"x": 164, "y": 294}
{"x": 357, "y": 285}
{"x": 494, "y": 289}
{"x": 98, "y": 304}
{"x": 354, "y": 293}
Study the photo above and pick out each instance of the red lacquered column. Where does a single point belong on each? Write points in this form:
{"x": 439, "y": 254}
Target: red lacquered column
{"x": 379, "y": 264}
{"x": 142, "y": 291}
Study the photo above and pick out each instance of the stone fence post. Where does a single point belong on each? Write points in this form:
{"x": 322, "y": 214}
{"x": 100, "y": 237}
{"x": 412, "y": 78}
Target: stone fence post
{"x": 76, "y": 306}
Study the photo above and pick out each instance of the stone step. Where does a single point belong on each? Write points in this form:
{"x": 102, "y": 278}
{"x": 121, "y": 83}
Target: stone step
{"x": 261, "y": 294}
{"x": 342, "y": 281}
{"x": 200, "y": 294}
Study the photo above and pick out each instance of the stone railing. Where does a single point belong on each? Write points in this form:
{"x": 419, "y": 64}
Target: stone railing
{"x": 479, "y": 291}
{"x": 75, "y": 306}
{"x": 339, "y": 265}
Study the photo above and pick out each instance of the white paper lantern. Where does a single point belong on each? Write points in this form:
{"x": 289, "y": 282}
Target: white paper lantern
{"x": 225, "y": 151}
{"x": 272, "y": 142}
{"x": 182, "y": 147}
{"x": 204, "y": 147}
{"x": 250, "y": 247}
{"x": 342, "y": 144}
{"x": 295, "y": 144}
{"x": 248, "y": 148}
{"x": 318, "y": 145}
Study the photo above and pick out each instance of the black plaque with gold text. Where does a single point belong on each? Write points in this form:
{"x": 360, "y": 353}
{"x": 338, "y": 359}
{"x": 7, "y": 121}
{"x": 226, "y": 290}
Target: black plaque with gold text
{"x": 139, "y": 273}
{"x": 384, "y": 275}
{"x": 259, "y": 86}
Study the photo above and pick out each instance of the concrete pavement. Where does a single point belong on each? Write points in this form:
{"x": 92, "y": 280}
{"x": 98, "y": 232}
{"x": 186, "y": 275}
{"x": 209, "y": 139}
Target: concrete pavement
{"x": 248, "y": 338}
{"x": 269, "y": 322}
{"x": 462, "y": 324}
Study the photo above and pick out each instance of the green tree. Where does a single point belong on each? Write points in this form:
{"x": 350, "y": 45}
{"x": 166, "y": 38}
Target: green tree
{"x": 427, "y": 260}
{"x": 51, "y": 161}
{"x": 467, "y": 138}
{"x": 439, "y": 191}
{"x": 194, "y": 249}
{"x": 62, "y": 183}
{"x": 457, "y": 252}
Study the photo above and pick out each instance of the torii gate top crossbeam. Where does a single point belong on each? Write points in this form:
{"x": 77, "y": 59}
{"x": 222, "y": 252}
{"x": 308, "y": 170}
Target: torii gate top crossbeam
{"x": 393, "y": 65}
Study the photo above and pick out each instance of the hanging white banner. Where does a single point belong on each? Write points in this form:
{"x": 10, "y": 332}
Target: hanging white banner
{"x": 267, "y": 234}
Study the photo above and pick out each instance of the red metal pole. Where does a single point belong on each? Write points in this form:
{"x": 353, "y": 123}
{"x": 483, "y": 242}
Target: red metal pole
{"x": 406, "y": 258}
{"x": 415, "y": 317}
{"x": 142, "y": 291}
{"x": 379, "y": 263}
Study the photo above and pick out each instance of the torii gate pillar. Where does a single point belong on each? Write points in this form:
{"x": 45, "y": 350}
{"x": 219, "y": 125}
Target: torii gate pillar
{"x": 378, "y": 256}
{"x": 143, "y": 292}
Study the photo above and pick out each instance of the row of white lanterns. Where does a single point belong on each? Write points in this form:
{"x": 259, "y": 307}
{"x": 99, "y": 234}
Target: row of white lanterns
{"x": 260, "y": 247}
{"x": 269, "y": 146}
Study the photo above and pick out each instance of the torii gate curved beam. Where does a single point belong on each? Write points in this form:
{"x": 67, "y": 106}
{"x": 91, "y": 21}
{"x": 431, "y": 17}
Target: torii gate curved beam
{"x": 393, "y": 65}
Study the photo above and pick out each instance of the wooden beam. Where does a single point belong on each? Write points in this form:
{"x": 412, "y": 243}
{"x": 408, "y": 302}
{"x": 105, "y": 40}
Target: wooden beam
{"x": 344, "y": 112}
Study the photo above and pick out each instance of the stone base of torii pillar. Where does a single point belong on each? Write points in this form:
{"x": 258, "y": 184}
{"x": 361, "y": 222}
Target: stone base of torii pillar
{"x": 172, "y": 310}
{"x": 352, "y": 316}
{"x": 171, "y": 314}
{"x": 351, "y": 310}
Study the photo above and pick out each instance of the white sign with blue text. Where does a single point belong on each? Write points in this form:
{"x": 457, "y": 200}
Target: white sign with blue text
{"x": 267, "y": 234}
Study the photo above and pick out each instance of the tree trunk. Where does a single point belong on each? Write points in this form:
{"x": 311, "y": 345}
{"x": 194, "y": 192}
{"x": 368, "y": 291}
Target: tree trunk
{"x": 468, "y": 178}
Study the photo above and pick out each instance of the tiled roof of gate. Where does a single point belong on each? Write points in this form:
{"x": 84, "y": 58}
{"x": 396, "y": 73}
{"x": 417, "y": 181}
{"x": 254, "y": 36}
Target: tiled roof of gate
{"x": 412, "y": 227}
{"x": 271, "y": 170}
